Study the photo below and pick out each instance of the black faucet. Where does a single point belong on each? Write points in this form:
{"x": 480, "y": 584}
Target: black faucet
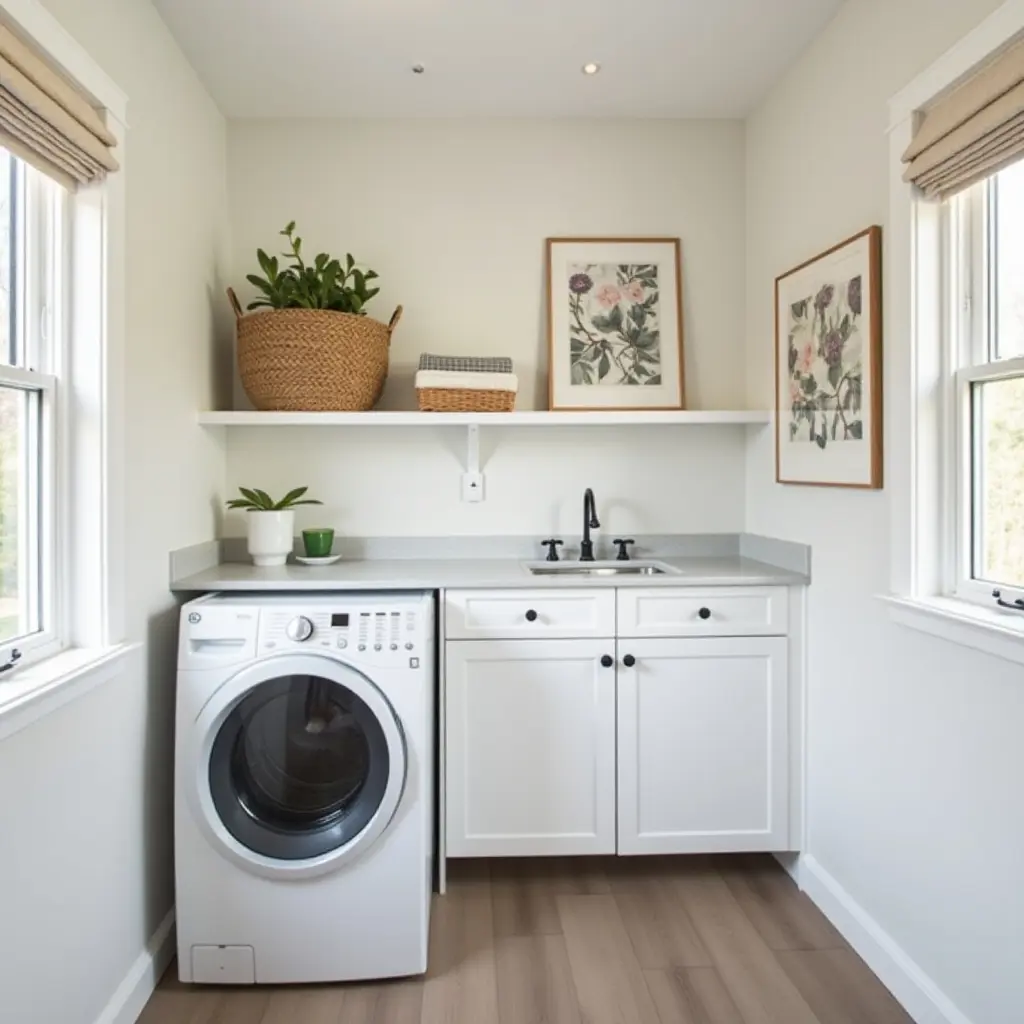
{"x": 590, "y": 522}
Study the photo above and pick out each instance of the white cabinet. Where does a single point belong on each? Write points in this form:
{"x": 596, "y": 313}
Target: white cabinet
{"x": 530, "y": 747}
{"x": 703, "y": 745}
{"x": 702, "y": 611}
{"x": 529, "y": 614}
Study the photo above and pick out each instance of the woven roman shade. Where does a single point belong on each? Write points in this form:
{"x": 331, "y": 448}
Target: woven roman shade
{"x": 46, "y": 121}
{"x": 975, "y": 131}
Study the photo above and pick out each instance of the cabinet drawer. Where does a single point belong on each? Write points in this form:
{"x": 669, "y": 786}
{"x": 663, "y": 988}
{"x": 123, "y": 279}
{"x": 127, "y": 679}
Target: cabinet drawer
{"x": 523, "y": 614}
{"x": 707, "y": 611}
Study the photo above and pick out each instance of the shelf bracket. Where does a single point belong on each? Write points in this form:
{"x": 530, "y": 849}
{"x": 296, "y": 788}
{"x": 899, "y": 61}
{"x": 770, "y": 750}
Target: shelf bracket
{"x": 473, "y": 479}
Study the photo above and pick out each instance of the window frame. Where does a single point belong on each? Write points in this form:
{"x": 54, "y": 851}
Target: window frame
{"x": 969, "y": 298}
{"x": 37, "y": 307}
{"x": 924, "y": 439}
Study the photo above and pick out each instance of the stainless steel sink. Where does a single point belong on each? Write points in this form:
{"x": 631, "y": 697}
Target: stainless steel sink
{"x": 600, "y": 569}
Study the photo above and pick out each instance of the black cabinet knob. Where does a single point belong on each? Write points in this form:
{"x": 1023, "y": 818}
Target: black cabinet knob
{"x": 705, "y": 613}
{"x": 607, "y": 660}
{"x": 629, "y": 661}
{"x": 531, "y": 616}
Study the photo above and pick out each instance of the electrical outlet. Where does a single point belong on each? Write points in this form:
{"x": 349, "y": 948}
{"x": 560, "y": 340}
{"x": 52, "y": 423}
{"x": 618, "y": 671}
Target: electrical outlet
{"x": 472, "y": 487}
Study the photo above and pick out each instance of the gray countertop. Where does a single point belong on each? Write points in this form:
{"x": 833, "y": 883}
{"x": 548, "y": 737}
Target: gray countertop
{"x": 464, "y": 573}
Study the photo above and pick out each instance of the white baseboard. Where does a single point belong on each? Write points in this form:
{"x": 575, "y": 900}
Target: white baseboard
{"x": 134, "y": 991}
{"x": 915, "y": 990}
{"x": 790, "y": 863}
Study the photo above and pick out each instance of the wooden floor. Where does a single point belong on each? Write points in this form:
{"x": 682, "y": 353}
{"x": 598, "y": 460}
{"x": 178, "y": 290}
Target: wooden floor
{"x": 723, "y": 940}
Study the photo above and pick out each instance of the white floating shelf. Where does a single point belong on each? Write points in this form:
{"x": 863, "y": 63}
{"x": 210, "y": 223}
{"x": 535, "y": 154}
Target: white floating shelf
{"x": 614, "y": 418}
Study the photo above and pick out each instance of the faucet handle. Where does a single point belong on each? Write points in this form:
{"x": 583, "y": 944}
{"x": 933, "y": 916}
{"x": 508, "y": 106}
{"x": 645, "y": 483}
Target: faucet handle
{"x": 552, "y": 546}
{"x": 623, "y": 555}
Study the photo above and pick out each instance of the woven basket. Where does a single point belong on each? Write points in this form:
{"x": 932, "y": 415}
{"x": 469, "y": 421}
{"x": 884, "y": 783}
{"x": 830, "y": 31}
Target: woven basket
{"x": 312, "y": 360}
{"x": 464, "y": 400}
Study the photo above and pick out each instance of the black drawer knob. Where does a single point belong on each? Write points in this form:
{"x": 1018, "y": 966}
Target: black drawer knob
{"x": 705, "y": 613}
{"x": 531, "y": 616}
{"x": 629, "y": 661}
{"x": 607, "y": 660}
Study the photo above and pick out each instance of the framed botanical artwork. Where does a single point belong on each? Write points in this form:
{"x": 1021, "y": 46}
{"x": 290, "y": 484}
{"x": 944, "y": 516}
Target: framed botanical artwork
{"x": 615, "y": 323}
{"x": 828, "y": 367}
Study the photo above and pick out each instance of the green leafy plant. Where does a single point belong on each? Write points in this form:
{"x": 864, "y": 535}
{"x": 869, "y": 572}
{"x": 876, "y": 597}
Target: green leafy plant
{"x": 255, "y": 500}
{"x": 323, "y": 284}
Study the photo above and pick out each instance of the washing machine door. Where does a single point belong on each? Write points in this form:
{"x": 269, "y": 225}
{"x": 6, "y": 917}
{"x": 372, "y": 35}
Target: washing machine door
{"x": 302, "y": 765}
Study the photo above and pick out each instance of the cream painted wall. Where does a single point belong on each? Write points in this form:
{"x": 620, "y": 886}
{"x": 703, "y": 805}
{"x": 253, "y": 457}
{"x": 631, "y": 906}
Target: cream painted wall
{"x": 400, "y": 482}
{"x": 85, "y": 867}
{"x": 453, "y": 215}
{"x": 915, "y": 757}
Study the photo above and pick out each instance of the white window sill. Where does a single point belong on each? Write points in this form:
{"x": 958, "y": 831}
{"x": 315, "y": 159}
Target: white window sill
{"x": 37, "y": 690}
{"x": 992, "y": 630}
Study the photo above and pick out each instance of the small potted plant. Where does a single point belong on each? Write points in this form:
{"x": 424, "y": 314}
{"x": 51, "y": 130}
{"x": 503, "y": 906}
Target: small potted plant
{"x": 271, "y": 524}
{"x": 306, "y": 343}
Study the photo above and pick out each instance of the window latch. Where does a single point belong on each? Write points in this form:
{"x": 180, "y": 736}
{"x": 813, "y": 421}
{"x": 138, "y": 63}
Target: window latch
{"x": 12, "y": 659}
{"x": 1016, "y": 606}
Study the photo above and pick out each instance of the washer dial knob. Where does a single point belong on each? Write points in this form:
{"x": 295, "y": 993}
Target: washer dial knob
{"x": 300, "y": 628}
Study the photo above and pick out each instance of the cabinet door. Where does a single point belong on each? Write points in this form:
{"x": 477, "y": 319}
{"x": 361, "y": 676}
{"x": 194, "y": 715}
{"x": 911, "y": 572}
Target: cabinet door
{"x": 703, "y": 745}
{"x": 530, "y": 740}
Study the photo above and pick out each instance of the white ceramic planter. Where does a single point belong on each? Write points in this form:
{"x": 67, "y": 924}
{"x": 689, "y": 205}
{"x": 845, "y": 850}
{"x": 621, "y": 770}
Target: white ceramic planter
{"x": 270, "y": 536}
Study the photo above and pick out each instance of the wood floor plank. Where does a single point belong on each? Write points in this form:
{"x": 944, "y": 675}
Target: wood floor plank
{"x": 524, "y": 904}
{"x": 760, "y": 988}
{"x": 840, "y": 987}
{"x": 695, "y": 995}
{"x": 461, "y": 985}
{"x": 386, "y": 1002}
{"x": 319, "y": 1005}
{"x": 575, "y": 876}
{"x": 610, "y": 986}
{"x": 785, "y": 917}
{"x": 535, "y": 984}
{"x": 658, "y": 925}
{"x": 175, "y": 1003}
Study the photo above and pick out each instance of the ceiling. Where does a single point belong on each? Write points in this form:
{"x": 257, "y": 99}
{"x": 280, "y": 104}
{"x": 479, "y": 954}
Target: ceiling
{"x": 354, "y": 58}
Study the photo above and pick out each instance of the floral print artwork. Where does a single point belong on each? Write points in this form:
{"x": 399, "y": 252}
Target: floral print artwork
{"x": 826, "y": 371}
{"x": 614, "y": 324}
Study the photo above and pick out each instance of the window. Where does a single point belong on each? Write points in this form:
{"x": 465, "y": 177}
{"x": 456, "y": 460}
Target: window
{"x": 32, "y": 235}
{"x": 985, "y": 274}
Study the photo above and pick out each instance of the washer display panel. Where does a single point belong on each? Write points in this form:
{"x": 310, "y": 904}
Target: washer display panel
{"x": 299, "y": 767}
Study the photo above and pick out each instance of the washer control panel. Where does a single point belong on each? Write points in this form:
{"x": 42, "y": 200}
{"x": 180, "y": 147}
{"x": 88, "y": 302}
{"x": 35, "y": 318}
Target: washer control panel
{"x": 381, "y": 634}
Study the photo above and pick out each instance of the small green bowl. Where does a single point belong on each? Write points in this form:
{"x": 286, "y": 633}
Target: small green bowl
{"x": 318, "y": 543}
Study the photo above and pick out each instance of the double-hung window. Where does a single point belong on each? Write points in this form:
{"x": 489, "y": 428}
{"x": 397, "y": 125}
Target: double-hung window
{"x": 985, "y": 375}
{"x": 33, "y": 249}
{"x": 955, "y": 343}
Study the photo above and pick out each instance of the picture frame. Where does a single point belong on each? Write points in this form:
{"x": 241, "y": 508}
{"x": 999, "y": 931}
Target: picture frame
{"x": 828, "y": 367}
{"x": 615, "y": 324}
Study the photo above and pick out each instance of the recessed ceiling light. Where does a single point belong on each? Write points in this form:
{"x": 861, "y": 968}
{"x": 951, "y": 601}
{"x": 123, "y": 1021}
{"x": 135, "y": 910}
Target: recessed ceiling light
{"x": 591, "y": 69}
{"x": 418, "y": 69}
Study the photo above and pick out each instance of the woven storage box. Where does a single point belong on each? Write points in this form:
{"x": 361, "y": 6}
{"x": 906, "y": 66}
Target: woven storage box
{"x": 464, "y": 400}
{"x": 312, "y": 360}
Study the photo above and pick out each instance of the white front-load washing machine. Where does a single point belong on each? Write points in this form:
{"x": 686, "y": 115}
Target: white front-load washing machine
{"x": 304, "y": 787}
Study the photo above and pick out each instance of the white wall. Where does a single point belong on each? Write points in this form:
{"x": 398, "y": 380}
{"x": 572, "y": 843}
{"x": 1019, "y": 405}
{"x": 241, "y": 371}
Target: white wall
{"x": 399, "y": 482}
{"x": 453, "y": 215}
{"x": 88, "y": 896}
{"x": 915, "y": 752}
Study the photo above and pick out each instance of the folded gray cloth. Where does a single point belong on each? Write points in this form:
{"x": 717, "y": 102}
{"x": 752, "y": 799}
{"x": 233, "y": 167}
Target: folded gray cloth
{"x": 466, "y": 364}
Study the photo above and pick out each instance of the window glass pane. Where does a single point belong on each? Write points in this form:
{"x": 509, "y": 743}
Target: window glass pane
{"x": 19, "y": 507}
{"x": 999, "y": 481}
{"x": 1008, "y": 314}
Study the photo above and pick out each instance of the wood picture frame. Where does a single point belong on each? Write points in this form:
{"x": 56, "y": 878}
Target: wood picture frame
{"x": 828, "y": 367}
{"x": 615, "y": 324}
